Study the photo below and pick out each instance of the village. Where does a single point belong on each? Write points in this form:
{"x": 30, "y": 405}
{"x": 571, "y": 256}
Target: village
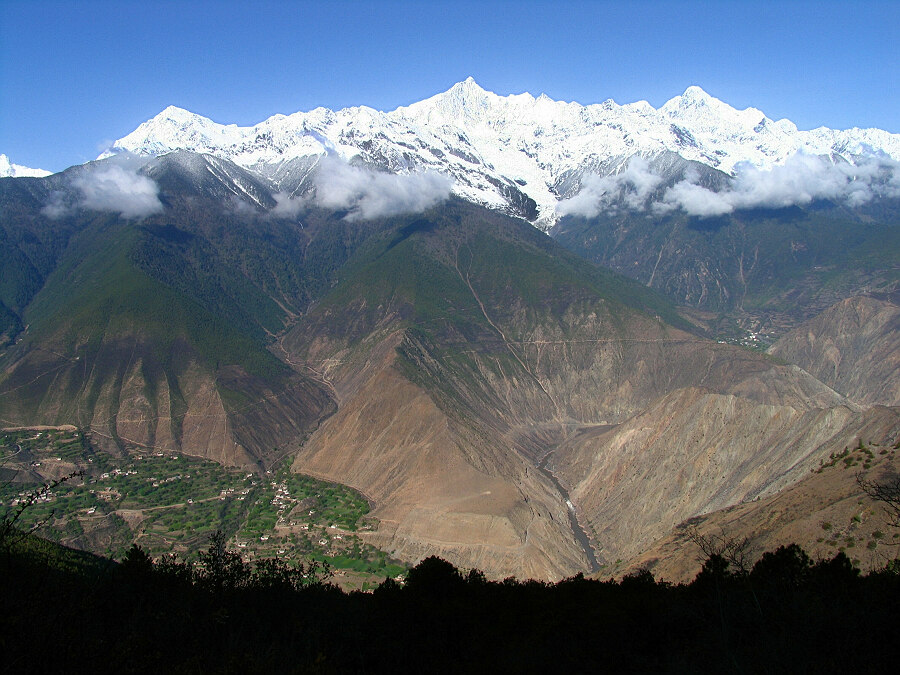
{"x": 172, "y": 503}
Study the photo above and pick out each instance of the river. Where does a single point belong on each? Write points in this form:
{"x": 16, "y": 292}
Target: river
{"x": 580, "y": 535}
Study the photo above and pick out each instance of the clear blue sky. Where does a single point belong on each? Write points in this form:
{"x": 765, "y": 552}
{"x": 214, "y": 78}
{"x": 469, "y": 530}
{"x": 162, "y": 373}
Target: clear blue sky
{"x": 76, "y": 75}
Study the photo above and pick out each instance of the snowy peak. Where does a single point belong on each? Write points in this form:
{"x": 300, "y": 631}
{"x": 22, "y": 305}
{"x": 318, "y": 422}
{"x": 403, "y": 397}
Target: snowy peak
{"x": 468, "y": 87}
{"x": 697, "y": 107}
{"x": 10, "y": 170}
{"x": 464, "y": 101}
{"x": 693, "y": 97}
{"x": 173, "y": 129}
{"x": 176, "y": 115}
{"x": 517, "y": 153}
{"x": 467, "y": 91}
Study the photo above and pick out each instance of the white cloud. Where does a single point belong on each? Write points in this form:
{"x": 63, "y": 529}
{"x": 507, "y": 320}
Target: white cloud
{"x": 695, "y": 200}
{"x": 892, "y": 186}
{"x": 118, "y": 188}
{"x": 240, "y": 207}
{"x": 601, "y": 193}
{"x": 286, "y": 206}
{"x": 801, "y": 180}
{"x": 372, "y": 194}
{"x": 56, "y": 206}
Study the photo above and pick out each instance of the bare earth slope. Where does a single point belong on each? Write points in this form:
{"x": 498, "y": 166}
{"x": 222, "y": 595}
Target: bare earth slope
{"x": 126, "y": 396}
{"x": 390, "y": 440}
{"x": 458, "y": 412}
{"x": 825, "y": 512}
{"x": 696, "y": 452}
{"x": 854, "y": 347}
{"x": 502, "y": 402}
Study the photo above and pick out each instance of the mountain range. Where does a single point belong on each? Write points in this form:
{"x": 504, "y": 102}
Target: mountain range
{"x": 10, "y": 170}
{"x": 374, "y": 297}
{"x": 521, "y": 154}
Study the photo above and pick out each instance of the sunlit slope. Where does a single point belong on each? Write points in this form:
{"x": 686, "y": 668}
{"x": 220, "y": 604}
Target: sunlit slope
{"x": 501, "y": 401}
{"x": 854, "y": 346}
{"x": 464, "y": 347}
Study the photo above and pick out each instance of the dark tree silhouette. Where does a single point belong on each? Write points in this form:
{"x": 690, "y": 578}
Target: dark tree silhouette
{"x": 735, "y": 553}
{"x": 887, "y": 492}
{"x": 219, "y": 569}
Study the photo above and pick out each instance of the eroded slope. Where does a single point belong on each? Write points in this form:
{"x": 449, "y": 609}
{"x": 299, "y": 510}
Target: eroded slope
{"x": 854, "y": 347}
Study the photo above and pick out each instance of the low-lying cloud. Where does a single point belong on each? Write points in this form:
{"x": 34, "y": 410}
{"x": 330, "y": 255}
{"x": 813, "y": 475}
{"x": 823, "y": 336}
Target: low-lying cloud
{"x": 286, "y": 206}
{"x": 119, "y": 189}
{"x": 115, "y": 185}
{"x": 603, "y": 193}
{"x": 56, "y": 206}
{"x": 239, "y": 207}
{"x": 367, "y": 193}
{"x": 801, "y": 180}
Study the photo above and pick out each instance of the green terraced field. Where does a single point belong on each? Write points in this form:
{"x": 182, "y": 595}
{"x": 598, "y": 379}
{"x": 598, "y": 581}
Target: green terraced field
{"x": 173, "y": 503}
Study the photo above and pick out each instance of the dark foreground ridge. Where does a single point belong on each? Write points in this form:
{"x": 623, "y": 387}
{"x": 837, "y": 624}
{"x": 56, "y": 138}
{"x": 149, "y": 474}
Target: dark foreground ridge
{"x": 69, "y": 611}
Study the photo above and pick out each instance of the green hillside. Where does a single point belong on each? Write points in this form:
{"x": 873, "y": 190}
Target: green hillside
{"x": 116, "y": 319}
{"x": 779, "y": 266}
{"x": 422, "y": 267}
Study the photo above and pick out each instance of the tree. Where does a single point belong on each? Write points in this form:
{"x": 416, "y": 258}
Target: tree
{"x": 434, "y": 577}
{"x": 136, "y": 564}
{"x": 735, "y": 553}
{"x": 220, "y": 569}
{"x": 786, "y": 567}
{"x": 9, "y": 531}
{"x": 887, "y": 492}
{"x": 277, "y": 574}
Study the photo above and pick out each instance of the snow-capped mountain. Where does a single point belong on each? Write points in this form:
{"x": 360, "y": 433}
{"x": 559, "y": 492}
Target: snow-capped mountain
{"x": 518, "y": 153}
{"x": 10, "y": 170}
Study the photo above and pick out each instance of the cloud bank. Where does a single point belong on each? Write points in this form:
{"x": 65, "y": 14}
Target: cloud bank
{"x": 372, "y": 194}
{"x": 56, "y": 206}
{"x": 603, "y": 193}
{"x": 119, "y": 189}
{"x": 801, "y": 180}
{"x": 114, "y": 186}
{"x": 286, "y": 206}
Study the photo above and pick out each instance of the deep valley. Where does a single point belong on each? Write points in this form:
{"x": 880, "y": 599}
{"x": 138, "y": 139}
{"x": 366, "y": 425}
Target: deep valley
{"x": 417, "y": 370}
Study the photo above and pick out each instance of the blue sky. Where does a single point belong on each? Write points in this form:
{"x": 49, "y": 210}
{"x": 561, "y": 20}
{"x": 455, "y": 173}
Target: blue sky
{"x": 76, "y": 75}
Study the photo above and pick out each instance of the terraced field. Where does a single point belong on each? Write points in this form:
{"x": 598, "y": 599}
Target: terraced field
{"x": 173, "y": 503}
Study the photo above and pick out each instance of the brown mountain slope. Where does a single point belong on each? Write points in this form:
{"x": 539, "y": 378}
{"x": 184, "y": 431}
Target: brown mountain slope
{"x": 853, "y": 347}
{"x": 126, "y": 397}
{"x": 454, "y": 400}
{"x": 449, "y": 450}
{"x": 390, "y": 440}
{"x": 824, "y": 512}
{"x": 694, "y": 452}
